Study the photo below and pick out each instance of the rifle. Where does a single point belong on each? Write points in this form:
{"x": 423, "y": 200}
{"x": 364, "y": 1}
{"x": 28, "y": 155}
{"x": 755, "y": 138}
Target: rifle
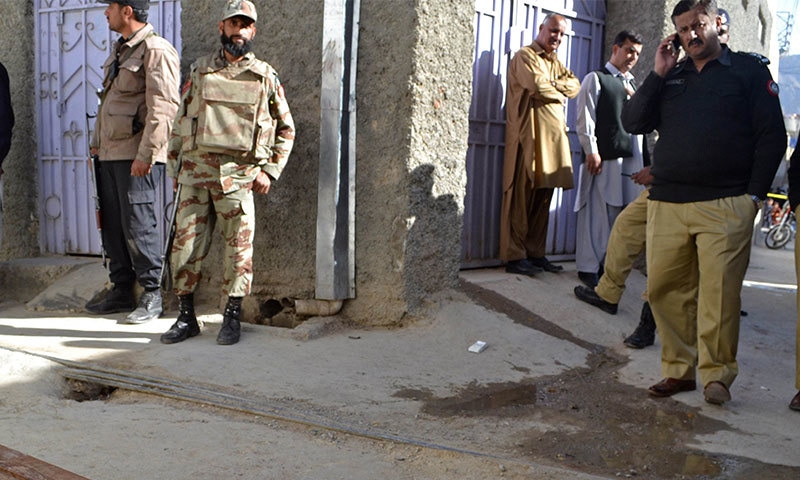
{"x": 170, "y": 235}
{"x": 94, "y": 167}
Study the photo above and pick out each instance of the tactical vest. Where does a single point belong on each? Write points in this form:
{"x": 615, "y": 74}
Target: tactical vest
{"x": 223, "y": 118}
{"x": 612, "y": 139}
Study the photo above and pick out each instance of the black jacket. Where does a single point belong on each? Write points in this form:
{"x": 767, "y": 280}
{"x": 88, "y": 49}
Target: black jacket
{"x": 721, "y": 131}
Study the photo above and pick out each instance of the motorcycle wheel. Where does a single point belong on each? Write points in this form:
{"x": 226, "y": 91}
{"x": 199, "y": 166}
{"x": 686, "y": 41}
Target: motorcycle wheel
{"x": 778, "y": 236}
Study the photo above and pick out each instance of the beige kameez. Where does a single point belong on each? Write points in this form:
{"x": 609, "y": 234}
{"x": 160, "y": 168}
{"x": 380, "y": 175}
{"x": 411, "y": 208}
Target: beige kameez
{"x": 536, "y": 142}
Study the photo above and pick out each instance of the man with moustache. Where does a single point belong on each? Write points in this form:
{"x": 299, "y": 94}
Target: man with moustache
{"x": 626, "y": 242}
{"x": 537, "y": 154}
{"x": 721, "y": 138}
{"x": 611, "y": 155}
{"x": 232, "y": 136}
{"x": 138, "y": 105}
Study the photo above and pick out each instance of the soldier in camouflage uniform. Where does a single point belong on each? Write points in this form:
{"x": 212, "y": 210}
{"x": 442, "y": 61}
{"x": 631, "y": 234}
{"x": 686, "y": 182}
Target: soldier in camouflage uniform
{"x": 232, "y": 136}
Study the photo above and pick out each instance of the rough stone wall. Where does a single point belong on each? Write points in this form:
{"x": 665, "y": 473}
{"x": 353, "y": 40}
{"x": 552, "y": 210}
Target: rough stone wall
{"x": 20, "y": 212}
{"x": 413, "y": 94}
{"x": 441, "y": 89}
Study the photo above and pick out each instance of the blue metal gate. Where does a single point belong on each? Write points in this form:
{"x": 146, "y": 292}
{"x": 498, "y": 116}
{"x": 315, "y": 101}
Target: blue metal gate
{"x": 501, "y": 28}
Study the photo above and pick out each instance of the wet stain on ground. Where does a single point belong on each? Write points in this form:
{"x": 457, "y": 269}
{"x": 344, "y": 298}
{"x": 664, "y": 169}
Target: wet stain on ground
{"x": 596, "y": 424}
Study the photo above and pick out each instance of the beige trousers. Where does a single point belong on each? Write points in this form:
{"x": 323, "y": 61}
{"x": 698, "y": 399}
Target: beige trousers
{"x": 797, "y": 344}
{"x": 625, "y": 243}
{"x": 697, "y": 256}
{"x": 524, "y": 230}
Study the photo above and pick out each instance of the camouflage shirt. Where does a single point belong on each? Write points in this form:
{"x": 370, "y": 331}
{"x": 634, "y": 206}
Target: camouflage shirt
{"x": 233, "y": 122}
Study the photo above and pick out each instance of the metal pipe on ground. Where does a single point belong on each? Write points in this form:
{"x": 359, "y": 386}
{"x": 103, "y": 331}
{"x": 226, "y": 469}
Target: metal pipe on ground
{"x": 313, "y": 307}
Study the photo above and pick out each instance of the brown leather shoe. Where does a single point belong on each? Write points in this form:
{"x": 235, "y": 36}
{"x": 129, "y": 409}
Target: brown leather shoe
{"x": 795, "y": 403}
{"x": 716, "y": 393}
{"x": 670, "y": 386}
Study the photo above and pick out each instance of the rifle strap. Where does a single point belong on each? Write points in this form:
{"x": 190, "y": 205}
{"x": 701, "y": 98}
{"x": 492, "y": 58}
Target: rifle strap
{"x": 121, "y": 60}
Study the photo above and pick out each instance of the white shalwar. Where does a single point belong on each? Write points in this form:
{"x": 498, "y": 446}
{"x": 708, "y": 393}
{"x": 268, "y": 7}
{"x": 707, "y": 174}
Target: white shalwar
{"x": 600, "y": 198}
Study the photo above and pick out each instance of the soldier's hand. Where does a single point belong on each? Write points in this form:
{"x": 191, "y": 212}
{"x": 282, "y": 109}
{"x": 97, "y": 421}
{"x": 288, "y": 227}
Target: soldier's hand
{"x": 262, "y": 183}
{"x": 140, "y": 168}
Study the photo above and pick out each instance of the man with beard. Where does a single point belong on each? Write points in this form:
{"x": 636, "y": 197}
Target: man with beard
{"x": 138, "y": 104}
{"x": 721, "y": 138}
{"x": 232, "y": 136}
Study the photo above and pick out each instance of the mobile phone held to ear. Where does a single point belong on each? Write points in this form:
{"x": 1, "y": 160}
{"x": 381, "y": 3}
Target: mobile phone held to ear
{"x": 676, "y": 44}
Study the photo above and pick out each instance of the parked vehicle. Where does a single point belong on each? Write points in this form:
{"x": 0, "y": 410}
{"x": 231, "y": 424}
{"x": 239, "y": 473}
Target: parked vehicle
{"x": 782, "y": 222}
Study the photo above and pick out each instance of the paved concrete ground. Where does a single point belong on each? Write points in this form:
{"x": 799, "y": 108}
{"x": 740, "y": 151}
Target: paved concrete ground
{"x": 365, "y": 403}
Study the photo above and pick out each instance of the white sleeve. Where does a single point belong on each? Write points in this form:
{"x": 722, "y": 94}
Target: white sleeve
{"x": 587, "y": 109}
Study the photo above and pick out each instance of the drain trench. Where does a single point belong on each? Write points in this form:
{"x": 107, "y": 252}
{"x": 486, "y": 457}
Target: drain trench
{"x": 207, "y": 396}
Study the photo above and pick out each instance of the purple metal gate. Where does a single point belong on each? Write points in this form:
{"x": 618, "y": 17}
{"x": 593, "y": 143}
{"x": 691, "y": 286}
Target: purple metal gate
{"x": 73, "y": 41}
{"x": 502, "y": 27}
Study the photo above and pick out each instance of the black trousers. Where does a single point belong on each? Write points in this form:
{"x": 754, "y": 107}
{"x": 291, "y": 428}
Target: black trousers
{"x": 130, "y": 223}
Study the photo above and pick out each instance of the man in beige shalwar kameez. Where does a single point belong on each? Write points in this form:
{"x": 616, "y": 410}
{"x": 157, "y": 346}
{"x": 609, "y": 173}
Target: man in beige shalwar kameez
{"x": 537, "y": 155}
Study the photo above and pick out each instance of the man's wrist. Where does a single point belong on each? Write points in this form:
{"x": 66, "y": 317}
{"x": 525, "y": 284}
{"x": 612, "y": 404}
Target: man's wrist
{"x": 757, "y": 201}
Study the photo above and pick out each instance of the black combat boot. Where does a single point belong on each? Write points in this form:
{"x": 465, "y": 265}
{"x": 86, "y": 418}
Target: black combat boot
{"x": 186, "y": 326}
{"x": 119, "y": 299}
{"x": 645, "y": 333}
{"x": 231, "y": 322}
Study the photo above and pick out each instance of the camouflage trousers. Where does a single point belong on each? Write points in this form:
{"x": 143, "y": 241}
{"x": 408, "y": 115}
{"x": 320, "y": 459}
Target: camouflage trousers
{"x": 199, "y": 210}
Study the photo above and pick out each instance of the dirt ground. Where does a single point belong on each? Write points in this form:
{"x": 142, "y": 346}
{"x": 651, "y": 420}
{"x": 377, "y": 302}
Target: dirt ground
{"x": 126, "y": 435}
{"x": 607, "y": 429}
{"x": 555, "y": 396}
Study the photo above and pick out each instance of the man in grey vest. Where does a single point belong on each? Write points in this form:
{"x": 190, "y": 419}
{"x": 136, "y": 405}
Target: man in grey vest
{"x": 611, "y": 155}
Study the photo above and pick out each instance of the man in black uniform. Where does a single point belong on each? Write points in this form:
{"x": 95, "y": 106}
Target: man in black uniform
{"x": 721, "y": 138}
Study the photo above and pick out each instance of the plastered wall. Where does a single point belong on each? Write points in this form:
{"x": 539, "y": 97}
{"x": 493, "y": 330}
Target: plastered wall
{"x": 20, "y": 212}
{"x": 413, "y": 94}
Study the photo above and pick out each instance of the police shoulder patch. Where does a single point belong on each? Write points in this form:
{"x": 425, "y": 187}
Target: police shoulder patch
{"x": 773, "y": 88}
